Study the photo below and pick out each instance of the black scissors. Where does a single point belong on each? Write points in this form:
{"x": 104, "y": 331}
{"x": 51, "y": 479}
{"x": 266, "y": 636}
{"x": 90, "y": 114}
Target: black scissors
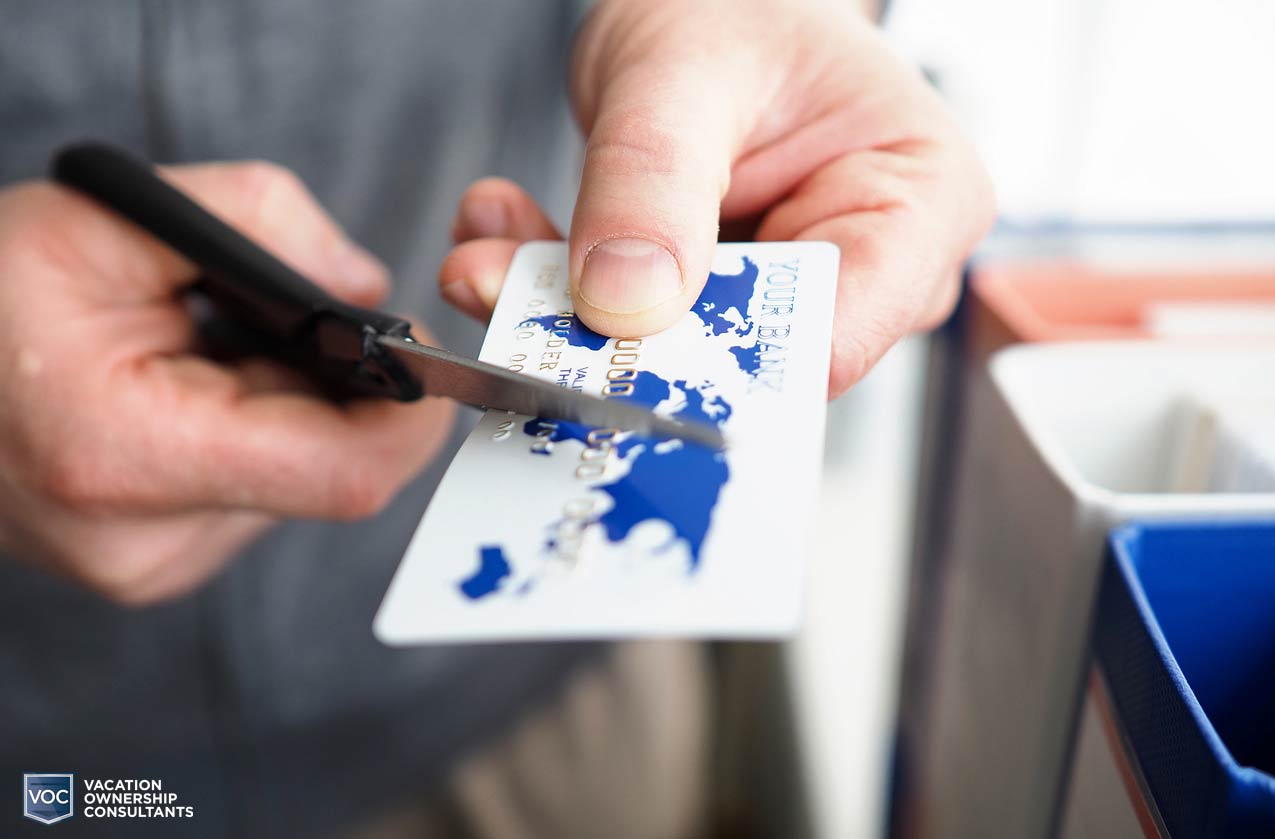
{"x": 351, "y": 352}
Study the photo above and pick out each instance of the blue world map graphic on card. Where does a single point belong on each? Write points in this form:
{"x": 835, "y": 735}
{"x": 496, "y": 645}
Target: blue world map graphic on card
{"x": 672, "y": 482}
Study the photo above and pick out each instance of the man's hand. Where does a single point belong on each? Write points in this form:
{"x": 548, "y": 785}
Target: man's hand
{"x": 776, "y": 120}
{"x": 133, "y": 465}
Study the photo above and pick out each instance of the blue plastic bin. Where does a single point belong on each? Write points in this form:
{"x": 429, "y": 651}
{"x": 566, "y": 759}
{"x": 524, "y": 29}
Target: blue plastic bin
{"x": 1184, "y": 679}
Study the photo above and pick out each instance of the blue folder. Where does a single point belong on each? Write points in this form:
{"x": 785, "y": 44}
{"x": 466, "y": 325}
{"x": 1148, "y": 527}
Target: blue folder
{"x": 1184, "y": 636}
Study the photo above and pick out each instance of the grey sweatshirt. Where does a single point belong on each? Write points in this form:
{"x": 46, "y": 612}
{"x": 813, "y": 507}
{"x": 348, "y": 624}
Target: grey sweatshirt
{"x": 262, "y": 699}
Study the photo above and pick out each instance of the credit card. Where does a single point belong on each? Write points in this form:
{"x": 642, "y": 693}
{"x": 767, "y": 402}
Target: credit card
{"x": 550, "y": 530}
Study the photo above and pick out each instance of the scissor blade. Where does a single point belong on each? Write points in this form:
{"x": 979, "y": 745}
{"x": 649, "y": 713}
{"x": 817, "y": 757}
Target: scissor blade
{"x": 485, "y": 385}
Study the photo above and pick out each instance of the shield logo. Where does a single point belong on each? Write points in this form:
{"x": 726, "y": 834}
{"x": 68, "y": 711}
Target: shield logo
{"x": 48, "y": 797}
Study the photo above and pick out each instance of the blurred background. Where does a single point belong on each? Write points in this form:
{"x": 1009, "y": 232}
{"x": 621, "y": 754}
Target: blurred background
{"x": 1127, "y": 139}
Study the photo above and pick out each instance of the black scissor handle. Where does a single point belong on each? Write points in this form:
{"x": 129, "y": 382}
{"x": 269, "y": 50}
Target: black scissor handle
{"x": 310, "y": 329}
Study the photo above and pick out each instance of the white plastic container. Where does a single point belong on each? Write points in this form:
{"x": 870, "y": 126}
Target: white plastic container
{"x": 1066, "y": 441}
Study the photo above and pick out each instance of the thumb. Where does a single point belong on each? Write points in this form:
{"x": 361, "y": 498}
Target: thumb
{"x": 657, "y": 164}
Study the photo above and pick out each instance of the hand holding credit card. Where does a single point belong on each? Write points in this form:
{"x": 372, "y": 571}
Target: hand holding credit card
{"x": 552, "y": 529}
{"x": 595, "y": 499}
{"x": 346, "y": 350}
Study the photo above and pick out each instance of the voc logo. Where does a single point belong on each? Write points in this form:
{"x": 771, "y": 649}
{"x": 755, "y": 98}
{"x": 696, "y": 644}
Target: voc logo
{"x": 48, "y": 797}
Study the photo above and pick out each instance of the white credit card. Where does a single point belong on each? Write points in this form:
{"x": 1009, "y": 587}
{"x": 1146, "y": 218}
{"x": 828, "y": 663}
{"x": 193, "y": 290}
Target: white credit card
{"x": 546, "y": 529}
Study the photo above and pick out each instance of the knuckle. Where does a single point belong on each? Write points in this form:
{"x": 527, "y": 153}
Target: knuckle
{"x": 80, "y": 479}
{"x": 635, "y": 146}
{"x": 491, "y": 185}
{"x": 265, "y": 175}
{"x": 452, "y": 269}
{"x": 851, "y": 360}
{"x": 271, "y": 188}
{"x": 964, "y": 177}
{"x": 627, "y": 143}
{"x": 915, "y": 203}
{"x": 856, "y": 350}
{"x": 359, "y": 492}
{"x": 118, "y": 579}
{"x": 647, "y": 141}
{"x": 117, "y": 569}
{"x": 73, "y": 480}
{"x": 941, "y": 304}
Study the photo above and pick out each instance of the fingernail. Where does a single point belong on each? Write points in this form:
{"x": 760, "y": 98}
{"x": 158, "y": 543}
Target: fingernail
{"x": 626, "y": 276}
{"x": 360, "y": 269}
{"x": 485, "y": 218}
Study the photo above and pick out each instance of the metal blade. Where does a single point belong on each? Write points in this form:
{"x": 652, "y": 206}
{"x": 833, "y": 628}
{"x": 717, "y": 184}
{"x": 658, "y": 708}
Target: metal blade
{"x": 487, "y": 386}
